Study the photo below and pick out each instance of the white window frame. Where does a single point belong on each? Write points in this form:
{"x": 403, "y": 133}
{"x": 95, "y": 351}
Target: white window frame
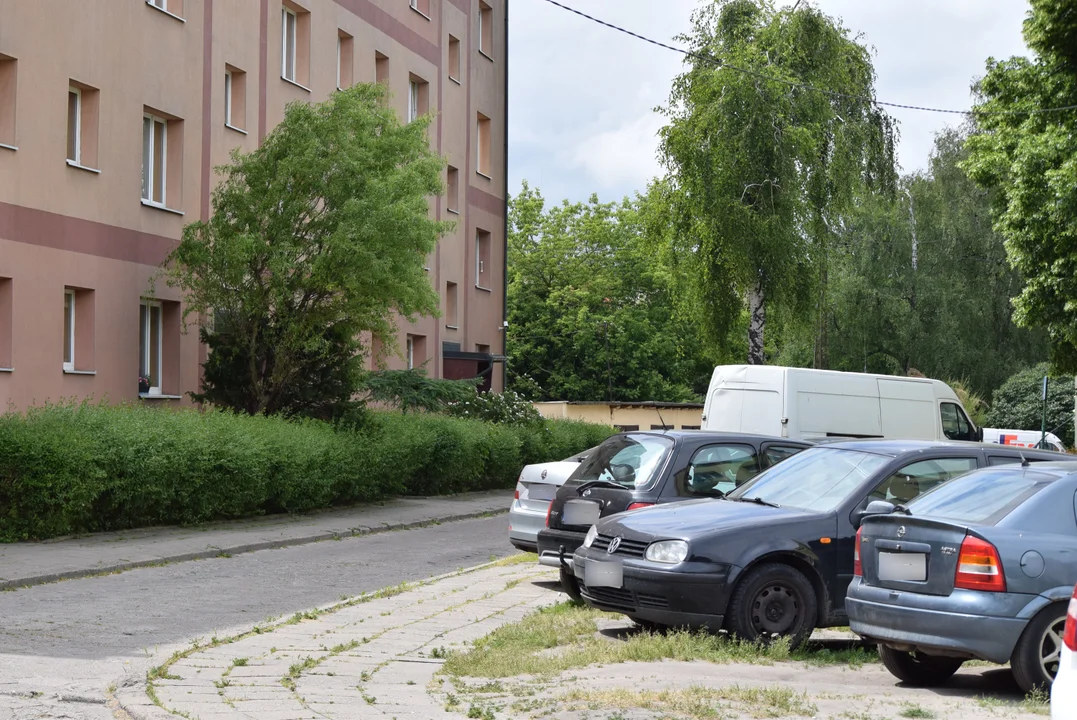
{"x": 159, "y": 4}
{"x": 340, "y": 44}
{"x": 228, "y": 97}
{"x": 288, "y": 73}
{"x": 148, "y": 167}
{"x": 413, "y": 100}
{"x": 414, "y": 4}
{"x": 479, "y": 266}
{"x": 69, "y": 361}
{"x": 410, "y": 345}
{"x": 481, "y": 28}
{"x": 147, "y": 328}
{"x": 77, "y": 92}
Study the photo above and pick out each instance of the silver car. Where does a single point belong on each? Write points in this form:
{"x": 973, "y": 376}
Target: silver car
{"x": 535, "y": 488}
{"x": 982, "y": 566}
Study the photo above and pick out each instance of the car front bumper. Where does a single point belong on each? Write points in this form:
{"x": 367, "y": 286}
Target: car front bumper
{"x": 911, "y": 621}
{"x": 694, "y": 595}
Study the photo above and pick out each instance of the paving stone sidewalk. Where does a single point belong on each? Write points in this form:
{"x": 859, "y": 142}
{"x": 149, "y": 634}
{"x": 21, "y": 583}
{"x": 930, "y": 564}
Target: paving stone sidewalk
{"x": 369, "y": 657}
{"x": 24, "y": 564}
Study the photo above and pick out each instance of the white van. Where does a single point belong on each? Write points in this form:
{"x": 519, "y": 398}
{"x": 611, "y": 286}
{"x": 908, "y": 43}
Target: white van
{"x": 807, "y": 404}
{"x": 1023, "y": 438}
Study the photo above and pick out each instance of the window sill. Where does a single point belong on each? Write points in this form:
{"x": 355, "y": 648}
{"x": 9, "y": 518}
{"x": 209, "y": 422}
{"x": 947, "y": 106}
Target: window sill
{"x": 482, "y": 174}
{"x": 234, "y": 128}
{"x": 455, "y": 80}
{"x": 162, "y": 10}
{"x": 484, "y": 289}
{"x": 420, "y": 12}
{"x": 5, "y": 146}
{"x": 483, "y": 53}
{"x": 293, "y": 82}
{"x": 452, "y": 327}
{"x": 79, "y": 372}
{"x": 153, "y": 396}
{"x": 159, "y": 206}
{"x": 454, "y": 212}
{"x": 77, "y": 166}
{"x": 7, "y": 370}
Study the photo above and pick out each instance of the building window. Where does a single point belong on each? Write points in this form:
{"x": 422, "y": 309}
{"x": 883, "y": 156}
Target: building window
{"x": 482, "y": 259}
{"x": 172, "y": 7}
{"x": 483, "y": 145}
{"x": 410, "y": 352}
{"x": 422, "y": 7}
{"x": 295, "y": 44}
{"x": 381, "y": 67}
{"x": 345, "y": 59}
{"x": 452, "y": 190}
{"x": 78, "y": 330}
{"x": 69, "y": 330}
{"x": 235, "y": 98}
{"x": 74, "y": 122}
{"x": 415, "y": 351}
{"x": 5, "y": 323}
{"x": 82, "y": 105}
{"x": 418, "y": 94}
{"x": 451, "y": 305}
{"x": 8, "y": 85}
{"x": 482, "y": 349}
{"x": 454, "y": 58}
{"x": 486, "y": 29}
{"x": 154, "y": 159}
{"x": 150, "y": 347}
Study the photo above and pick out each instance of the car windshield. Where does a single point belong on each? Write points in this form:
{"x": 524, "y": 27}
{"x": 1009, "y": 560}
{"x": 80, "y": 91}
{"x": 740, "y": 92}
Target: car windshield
{"x": 980, "y": 498}
{"x": 631, "y": 461}
{"x": 817, "y": 480}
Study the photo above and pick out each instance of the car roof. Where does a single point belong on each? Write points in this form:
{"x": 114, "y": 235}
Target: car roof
{"x": 714, "y": 434}
{"x": 894, "y": 448}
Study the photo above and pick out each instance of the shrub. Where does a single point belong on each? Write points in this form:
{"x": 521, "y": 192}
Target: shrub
{"x": 507, "y": 408}
{"x": 81, "y": 468}
{"x": 1018, "y": 403}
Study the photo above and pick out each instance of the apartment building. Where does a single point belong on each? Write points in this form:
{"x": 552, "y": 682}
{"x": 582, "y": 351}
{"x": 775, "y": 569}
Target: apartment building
{"x": 113, "y": 116}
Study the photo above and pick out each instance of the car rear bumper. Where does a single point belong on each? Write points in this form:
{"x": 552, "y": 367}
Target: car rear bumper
{"x": 524, "y": 526}
{"x": 551, "y": 541}
{"x": 874, "y": 614}
{"x": 677, "y": 599}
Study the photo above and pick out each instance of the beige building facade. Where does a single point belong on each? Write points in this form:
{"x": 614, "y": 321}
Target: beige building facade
{"x": 626, "y": 416}
{"x": 113, "y": 114}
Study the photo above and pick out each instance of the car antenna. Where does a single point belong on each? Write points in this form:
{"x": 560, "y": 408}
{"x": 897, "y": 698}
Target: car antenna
{"x": 1024, "y": 460}
{"x": 660, "y": 418}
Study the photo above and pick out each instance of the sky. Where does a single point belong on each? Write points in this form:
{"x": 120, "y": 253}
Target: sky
{"x": 582, "y": 96}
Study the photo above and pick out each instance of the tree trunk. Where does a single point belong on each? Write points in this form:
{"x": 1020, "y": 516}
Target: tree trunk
{"x": 757, "y": 318}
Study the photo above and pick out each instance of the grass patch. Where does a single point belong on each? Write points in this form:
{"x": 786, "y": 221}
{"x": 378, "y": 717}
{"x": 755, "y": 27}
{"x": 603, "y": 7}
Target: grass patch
{"x": 698, "y": 702}
{"x": 915, "y": 711}
{"x": 562, "y": 637}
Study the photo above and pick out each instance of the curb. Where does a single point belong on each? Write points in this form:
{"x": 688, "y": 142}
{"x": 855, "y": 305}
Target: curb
{"x": 26, "y": 582}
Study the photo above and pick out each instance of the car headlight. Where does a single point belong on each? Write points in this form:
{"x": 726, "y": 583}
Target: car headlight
{"x": 591, "y": 535}
{"x": 668, "y": 551}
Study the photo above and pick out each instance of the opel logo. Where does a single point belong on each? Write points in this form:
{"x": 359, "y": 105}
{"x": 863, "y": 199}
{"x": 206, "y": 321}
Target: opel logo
{"x": 901, "y": 531}
{"x": 614, "y": 544}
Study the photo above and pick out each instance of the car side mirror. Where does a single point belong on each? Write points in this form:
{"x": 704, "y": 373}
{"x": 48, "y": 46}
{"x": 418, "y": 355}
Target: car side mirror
{"x": 875, "y": 507}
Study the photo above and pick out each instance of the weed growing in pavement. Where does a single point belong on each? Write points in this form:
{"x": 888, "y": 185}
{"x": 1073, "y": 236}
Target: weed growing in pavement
{"x": 1037, "y": 702}
{"x": 915, "y": 711}
{"x": 369, "y": 699}
{"x": 696, "y": 702}
{"x": 439, "y": 652}
{"x": 239, "y": 662}
{"x": 481, "y": 713}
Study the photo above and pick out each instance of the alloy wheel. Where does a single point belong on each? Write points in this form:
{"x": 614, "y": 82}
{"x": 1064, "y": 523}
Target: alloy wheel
{"x": 1051, "y": 647}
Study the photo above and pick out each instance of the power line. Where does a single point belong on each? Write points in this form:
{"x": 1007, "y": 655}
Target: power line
{"x": 802, "y": 86}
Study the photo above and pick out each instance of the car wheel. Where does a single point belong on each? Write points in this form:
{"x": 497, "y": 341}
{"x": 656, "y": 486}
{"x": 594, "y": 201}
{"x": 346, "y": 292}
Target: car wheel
{"x": 570, "y": 585}
{"x": 917, "y": 668}
{"x": 773, "y": 600}
{"x": 1035, "y": 659}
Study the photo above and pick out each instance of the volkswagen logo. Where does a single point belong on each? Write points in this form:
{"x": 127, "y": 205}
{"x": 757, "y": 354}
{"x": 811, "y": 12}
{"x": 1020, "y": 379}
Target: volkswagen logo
{"x": 614, "y": 544}
{"x": 901, "y": 531}
{"x": 544, "y": 474}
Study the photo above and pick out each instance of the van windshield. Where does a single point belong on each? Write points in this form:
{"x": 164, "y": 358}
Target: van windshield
{"x": 629, "y": 460}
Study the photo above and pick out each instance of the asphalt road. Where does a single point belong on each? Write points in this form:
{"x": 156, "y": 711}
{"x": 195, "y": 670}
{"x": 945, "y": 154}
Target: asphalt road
{"x": 123, "y": 615}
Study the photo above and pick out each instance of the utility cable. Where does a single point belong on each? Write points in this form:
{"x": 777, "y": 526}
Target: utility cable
{"x": 801, "y": 86}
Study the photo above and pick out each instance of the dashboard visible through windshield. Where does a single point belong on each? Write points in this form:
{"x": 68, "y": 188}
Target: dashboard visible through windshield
{"x": 630, "y": 461}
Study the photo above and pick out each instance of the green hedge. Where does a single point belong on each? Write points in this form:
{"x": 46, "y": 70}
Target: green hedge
{"x": 83, "y": 468}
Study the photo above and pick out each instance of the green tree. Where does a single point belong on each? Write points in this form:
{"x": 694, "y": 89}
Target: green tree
{"x": 413, "y": 390}
{"x": 761, "y": 168}
{"x": 317, "y": 236}
{"x": 590, "y": 312}
{"x": 1018, "y": 404}
{"x": 1030, "y": 158}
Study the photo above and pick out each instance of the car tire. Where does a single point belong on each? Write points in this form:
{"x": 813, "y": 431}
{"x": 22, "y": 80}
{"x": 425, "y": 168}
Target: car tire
{"x": 571, "y": 585}
{"x": 1035, "y": 658}
{"x": 919, "y": 669}
{"x": 773, "y": 600}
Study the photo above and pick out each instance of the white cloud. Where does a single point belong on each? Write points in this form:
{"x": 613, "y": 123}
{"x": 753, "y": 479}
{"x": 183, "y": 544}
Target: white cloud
{"x": 581, "y": 95}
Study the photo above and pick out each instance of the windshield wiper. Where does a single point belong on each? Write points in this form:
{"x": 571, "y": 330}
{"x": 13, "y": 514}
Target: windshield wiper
{"x": 599, "y": 483}
{"x": 756, "y": 500}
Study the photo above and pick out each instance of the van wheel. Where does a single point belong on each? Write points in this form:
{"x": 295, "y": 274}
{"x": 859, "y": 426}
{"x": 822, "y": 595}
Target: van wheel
{"x": 571, "y": 585}
{"x": 918, "y": 669}
{"x": 1035, "y": 659}
{"x": 772, "y": 601}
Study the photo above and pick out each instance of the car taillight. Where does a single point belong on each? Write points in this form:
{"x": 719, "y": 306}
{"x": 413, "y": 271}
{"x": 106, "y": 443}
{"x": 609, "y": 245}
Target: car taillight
{"x": 858, "y": 570}
{"x": 516, "y": 496}
{"x": 548, "y": 511}
{"x": 637, "y": 506}
{"x": 1070, "y": 635}
{"x": 979, "y": 567}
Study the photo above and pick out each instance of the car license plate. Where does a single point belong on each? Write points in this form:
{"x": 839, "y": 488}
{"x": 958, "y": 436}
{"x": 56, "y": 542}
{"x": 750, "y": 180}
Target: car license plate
{"x": 581, "y": 512}
{"x": 908, "y": 567}
{"x": 603, "y": 574}
{"x": 540, "y": 491}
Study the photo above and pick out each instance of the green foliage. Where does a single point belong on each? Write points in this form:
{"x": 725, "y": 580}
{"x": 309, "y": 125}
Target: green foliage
{"x": 413, "y": 390}
{"x": 507, "y": 408}
{"x": 760, "y": 173}
{"x": 1031, "y": 160}
{"x": 83, "y": 468}
{"x": 1018, "y": 404}
{"x": 319, "y": 235}
{"x": 590, "y": 311}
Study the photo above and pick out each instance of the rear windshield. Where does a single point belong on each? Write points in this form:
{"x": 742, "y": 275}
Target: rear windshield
{"x": 629, "y": 460}
{"x": 979, "y": 498}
